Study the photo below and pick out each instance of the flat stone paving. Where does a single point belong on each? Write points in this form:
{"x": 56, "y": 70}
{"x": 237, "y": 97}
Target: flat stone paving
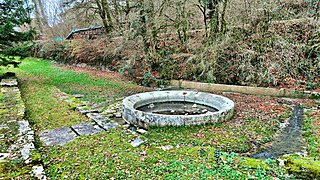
{"x": 16, "y": 134}
{"x": 100, "y": 121}
{"x": 59, "y": 136}
{"x": 9, "y": 82}
{"x": 86, "y": 128}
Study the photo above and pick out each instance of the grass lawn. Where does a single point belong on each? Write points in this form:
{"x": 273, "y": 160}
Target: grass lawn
{"x": 197, "y": 152}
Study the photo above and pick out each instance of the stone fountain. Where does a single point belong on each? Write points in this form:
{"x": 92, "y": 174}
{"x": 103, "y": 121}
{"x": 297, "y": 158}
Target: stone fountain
{"x": 176, "y": 108}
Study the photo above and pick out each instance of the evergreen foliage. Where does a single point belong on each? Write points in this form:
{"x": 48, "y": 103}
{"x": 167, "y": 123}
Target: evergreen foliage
{"x": 14, "y": 14}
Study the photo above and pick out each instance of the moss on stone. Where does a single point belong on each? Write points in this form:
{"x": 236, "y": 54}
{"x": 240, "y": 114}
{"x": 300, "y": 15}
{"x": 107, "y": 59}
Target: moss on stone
{"x": 254, "y": 163}
{"x": 305, "y": 168}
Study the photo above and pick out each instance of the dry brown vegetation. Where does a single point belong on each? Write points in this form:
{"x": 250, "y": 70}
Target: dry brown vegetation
{"x": 246, "y": 42}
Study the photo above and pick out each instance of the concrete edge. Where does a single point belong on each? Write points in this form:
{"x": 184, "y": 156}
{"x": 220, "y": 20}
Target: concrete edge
{"x": 245, "y": 89}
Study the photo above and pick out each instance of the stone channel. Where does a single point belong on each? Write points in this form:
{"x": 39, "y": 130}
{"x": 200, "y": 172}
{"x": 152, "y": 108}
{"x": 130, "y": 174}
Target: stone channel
{"x": 16, "y": 135}
{"x": 289, "y": 140}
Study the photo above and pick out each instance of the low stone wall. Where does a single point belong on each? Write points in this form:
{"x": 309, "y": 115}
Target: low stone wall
{"x": 16, "y": 135}
{"x": 245, "y": 89}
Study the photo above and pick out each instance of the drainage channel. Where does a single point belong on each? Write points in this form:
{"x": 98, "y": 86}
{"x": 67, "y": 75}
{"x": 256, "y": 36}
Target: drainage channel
{"x": 288, "y": 141}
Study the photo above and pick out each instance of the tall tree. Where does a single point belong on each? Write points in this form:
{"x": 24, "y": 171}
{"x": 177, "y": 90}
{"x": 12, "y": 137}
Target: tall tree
{"x": 44, "y": 19}
{"x": 13, "y": 14}
{"x": 41, "y": 17}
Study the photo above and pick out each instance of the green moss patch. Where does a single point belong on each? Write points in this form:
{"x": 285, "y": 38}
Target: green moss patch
{"x": 305, "y": 168}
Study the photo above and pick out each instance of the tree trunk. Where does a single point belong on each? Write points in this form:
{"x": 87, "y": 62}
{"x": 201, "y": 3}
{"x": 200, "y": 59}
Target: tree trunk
{"x": 43, "y": 15}
{"x": 38, "y": 20}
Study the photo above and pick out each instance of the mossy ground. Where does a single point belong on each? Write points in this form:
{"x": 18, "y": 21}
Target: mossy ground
{"x": 199, "y": 152}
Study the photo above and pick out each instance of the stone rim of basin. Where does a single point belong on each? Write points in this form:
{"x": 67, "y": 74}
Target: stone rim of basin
{"x": 131, "y": 114}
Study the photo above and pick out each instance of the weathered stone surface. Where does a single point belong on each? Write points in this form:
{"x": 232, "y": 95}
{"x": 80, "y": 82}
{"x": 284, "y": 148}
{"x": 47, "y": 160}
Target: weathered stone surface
{"x": 142, "y": 119}
{"x": 137, "y": 142}
{"x": 104, "y": 122}
{"x": 27, "y": 150}
{"x": 24, "y": 127}
{"x": 78, "y": 95}
{"x": 126, "y": 126}
{"x": 110, "y": 125}
{"x": 59, "y": 136}
{"x": 9, "y": 82}
{"x": 86, "y": 109}
{"x": 4, "y": 126}
{"x": 10, "y": 90}
{"x": 68, "y": 101}
{"x": 141, "y": 131}
{"x": 86, "y": 128}
{"x": 97, "y": 118}
{"x": 167, "y": 147}
{"x": 38, "y": 172}
{"x": 3, "y": 157}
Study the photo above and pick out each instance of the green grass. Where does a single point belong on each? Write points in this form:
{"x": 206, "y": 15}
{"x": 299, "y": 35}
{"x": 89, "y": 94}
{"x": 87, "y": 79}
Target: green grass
{"x": 43, "y": 107}
{"x": 95, "y": 89}
{"x": 40, "y": 82}
{"x": 106, "y": 155}
{"x": 312, "y": 133}
{"x": 15, "y": 169}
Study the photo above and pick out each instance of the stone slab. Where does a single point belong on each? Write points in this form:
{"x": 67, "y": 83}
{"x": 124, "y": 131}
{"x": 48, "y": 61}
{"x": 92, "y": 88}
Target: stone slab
{"x": 3, "y": 157}
{"x": 26, "y": 151}
{"x": 141, "y": 131}
{"x": 78, "y": 95}
{"x": 9, "y": 82}
{"x": 110, "y": 125}
{"x": 244, "y": 89}
{"x": 86, "y": 109}
{"x": 86, "y": 128}
{"x": 97, "y": 117}
{"x": 137, "y": 142}
{"x": 38, "y": 172}
{"x": 59, "y": 136}
{"x": 10, "y": 90}
{"x": 24, "y": 127}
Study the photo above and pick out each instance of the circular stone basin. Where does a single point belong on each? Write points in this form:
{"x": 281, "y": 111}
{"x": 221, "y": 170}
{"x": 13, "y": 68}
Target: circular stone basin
{"x": 176, "y": 108}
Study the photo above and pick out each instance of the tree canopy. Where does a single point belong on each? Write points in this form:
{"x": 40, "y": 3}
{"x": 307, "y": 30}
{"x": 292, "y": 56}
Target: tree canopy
{"x": 14, "y": 14}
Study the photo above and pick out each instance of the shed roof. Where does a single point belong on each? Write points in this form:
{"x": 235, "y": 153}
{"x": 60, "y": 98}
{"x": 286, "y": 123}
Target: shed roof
{"x": 83, "y": 29}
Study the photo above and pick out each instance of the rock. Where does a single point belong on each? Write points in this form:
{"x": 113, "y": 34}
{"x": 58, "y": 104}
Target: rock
{"x": 118, "y": 115}
{"x": 38, "y": 172}
{"x": 132, "y": 128}
{"x": 86, "y": 128}
{"x": 26, "y": 150}
{"x": 4, "y": 126}
{"x": 85, "y": 110}
{"x": 23, "y": 127}
{"x": 78, "y": 95}
{"x": 109, "y": 111}
{"x": 165, "y": 148}
{"x": 281, "y": 162}
{"x": 110, "y": 125}
{"x": 142, "y": 131}
{"x": 126, "y": 126}
{"x": 3, "y": 157}
{"x": 68, "y": 101}
{"x": 10, "y": 90}
{"x": 137, "y": 142}
{"x": 97, "y": 118}
{"x": 9, "y": 82}
{"x": 59, "y": 136}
